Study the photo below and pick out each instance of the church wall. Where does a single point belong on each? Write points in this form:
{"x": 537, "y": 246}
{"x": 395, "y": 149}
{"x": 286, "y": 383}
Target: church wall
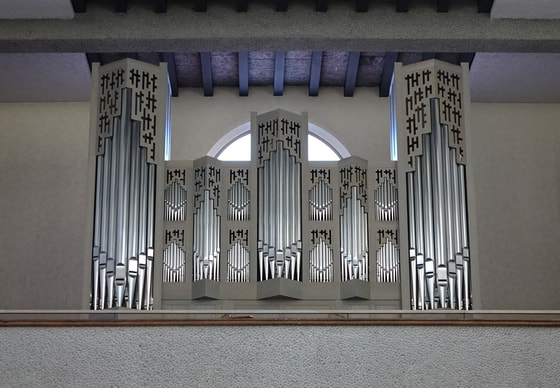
{"x": 43, "y": 188}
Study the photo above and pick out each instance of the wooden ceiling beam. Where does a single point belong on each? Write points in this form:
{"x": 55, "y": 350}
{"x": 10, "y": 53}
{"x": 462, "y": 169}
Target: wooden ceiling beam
{"x": 243, "y": 60}
{"x": 206, "y": 67}
{"x": 279, "y": 65}
{"x": 315, "y": 73}
{"x": 351, "y": 73}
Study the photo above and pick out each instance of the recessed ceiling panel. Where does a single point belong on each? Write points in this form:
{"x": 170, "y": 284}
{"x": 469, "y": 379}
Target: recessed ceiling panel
{"x": 36, "y": 9}
{"x": 44, "y": 77}
{"x": 515, "y": 77}
{"x": 525, "y": 9}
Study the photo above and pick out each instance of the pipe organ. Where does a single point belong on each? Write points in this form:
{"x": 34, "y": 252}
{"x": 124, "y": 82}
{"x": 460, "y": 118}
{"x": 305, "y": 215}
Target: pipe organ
{"x": 129, "y": 119}
{"x": 210, "y": 233}
{"x": 431, "y": 104}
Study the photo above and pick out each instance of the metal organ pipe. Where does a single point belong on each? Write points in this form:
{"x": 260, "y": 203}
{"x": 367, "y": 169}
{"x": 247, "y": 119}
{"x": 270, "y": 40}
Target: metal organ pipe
{"x": 426, "y": 166}
{"x": 133, "y": 217}
{"x": 438, "y": 182}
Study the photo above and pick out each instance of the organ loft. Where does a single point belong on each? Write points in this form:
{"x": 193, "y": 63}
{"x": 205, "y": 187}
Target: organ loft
{"x": 280, "y": 231}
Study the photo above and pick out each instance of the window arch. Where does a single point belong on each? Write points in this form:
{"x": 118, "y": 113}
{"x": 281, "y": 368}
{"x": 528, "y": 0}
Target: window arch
{"x": 236, "y": 145}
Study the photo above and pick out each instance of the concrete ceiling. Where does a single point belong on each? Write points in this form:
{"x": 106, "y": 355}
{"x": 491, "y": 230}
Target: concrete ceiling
{"x": 37, "y": 66}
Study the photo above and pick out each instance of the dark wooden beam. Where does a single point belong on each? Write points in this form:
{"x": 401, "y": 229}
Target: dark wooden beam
{"x": 279, "y": 64}
{"x": 315, "y": 73}
{"x": 161, "y": 6}
{"x": 206, "y": 67}
{"x": 321, "y": 5}
{"x": 466, "y": 57}
{"x": 443, "y": 5}
{"x": 243, "y": 58}
{"x": 241, "y": 5}
{"x": 131, "y": 55}
{"x": 79, "y": 6}
{"x": 387, "y": 74}
{"x": 485, "y": 6}
{"x": 402, "y": 5}
{"x": 362, "y": 5}
{"x": 169, "y": 58}
{"x": 351, "y": 73}
{"x": 121, "y": 5}
{"x": 281, "y": 5}
{"x": 200, "y": 5}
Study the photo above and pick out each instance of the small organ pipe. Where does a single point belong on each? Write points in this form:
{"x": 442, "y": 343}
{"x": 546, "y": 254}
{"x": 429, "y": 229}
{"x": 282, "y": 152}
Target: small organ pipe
{"x": 97, "y": 230}
{"x": 133, "y": 217}
{"x": 412, "y": 237}
{"x": 419, "y": 216}
{"x": 150, "y": 234}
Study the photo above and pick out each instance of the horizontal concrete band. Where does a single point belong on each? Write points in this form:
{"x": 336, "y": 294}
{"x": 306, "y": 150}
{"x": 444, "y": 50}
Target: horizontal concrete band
{"x": 422, "y": 29}
{"x": 209, "y": 356}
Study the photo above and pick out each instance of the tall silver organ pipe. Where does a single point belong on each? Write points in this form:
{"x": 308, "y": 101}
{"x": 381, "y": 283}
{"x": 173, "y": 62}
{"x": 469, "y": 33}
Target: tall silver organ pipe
{"x": 353, "y": 239}
{"x": 279, "y": 229}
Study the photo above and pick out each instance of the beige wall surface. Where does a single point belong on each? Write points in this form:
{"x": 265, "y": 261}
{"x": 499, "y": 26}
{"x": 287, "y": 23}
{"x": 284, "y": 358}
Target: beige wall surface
{"x": 43, "y": 164}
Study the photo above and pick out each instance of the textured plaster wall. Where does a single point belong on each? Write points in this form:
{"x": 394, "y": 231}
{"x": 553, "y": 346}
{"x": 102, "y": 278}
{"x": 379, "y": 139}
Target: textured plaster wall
{"x": 43, "y": 159}
{"x": 398, "y": 356}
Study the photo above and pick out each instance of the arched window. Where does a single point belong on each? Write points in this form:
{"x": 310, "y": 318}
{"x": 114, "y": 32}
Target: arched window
{"x": 236, "y": 145}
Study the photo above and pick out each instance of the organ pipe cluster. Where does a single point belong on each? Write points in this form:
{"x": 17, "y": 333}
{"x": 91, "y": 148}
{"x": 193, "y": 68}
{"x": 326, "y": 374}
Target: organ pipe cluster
{"x": 173, "y": 263}
{"x": 175, "y": 198}
{"x": 125, "y": 184}
{"x": 238, "y": 202}
{"x": 321, "y": 262}
{"x": 279, "y": 225}
{"x": 388, "y": 263}
{"x": 238, "y": 263}
{"x": 432, "y": 164}
{"x": 385, "y": 197}
{"x": 320, "y": 201}
{"x": 206, "y": 246}
{"x": 354, "y": 239}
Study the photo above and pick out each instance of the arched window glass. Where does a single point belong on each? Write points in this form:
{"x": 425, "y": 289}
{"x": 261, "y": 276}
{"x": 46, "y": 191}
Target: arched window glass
{"x": 236, "y": 145}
